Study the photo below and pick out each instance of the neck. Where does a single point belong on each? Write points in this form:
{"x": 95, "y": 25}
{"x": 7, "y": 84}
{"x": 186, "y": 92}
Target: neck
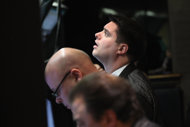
{"x": 111, "y": 66}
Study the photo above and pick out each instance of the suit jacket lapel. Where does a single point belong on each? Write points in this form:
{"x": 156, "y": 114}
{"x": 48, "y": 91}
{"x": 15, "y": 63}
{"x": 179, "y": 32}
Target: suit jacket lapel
{"x": 127, "y": 70}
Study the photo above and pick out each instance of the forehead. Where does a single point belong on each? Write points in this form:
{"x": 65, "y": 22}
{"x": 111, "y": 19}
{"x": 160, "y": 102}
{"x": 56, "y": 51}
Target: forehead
{"x": 78, "y": 107}
{"x": 52, "y": 80}
{"x": 111, "y": 26}
{"x": 78, "y": 104}
{"x": 52, "y": 74}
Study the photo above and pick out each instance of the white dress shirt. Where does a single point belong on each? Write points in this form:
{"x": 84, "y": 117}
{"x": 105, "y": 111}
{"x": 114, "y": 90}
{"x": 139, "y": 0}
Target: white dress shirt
{"x": 118, "y": 71}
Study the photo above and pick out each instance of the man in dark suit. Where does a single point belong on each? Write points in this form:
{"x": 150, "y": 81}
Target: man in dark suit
{"x": 118, "y": 47}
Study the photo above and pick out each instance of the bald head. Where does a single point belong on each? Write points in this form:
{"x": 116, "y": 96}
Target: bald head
{"x": 63, "y": 61}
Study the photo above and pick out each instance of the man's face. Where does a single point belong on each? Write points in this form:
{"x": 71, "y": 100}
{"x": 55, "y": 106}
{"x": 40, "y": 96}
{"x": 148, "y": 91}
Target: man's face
{"x": 64, "y": 89}
{"x": 81, "y": 116}
{"x": 106, "y": 45}
{"x": 63, "y": 93}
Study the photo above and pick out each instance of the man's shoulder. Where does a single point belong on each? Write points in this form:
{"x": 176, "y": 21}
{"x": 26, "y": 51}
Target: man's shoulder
{"x": 138, "y": 75}
{"x": 139, "y": 81}
{"x": 135, "y": 76}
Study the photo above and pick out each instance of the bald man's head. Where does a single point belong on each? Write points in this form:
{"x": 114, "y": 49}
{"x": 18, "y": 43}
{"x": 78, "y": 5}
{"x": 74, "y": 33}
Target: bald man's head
{"x": 65, "y": 60}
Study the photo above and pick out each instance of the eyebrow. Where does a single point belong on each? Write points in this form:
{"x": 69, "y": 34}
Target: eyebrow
{"x": 107, "y": 31}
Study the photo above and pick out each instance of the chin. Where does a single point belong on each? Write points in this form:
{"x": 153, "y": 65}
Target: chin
{"x": 94, "y": 53}
{"x": 97, "y": 57}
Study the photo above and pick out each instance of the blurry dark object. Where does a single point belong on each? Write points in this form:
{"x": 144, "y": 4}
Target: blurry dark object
{"x": 157, "y": 58}
{"x": 187, "y": 120}
{"x": 52, "y": 12}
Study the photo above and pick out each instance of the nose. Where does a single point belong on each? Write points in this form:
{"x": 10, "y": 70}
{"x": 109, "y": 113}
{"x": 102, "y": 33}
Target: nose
{"x": 97, "y": 35}
{"x": 58, "y": 100}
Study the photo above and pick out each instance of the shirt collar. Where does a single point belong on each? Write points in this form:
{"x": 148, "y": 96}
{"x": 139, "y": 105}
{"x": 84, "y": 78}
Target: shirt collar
{"x": 118, "y": 71}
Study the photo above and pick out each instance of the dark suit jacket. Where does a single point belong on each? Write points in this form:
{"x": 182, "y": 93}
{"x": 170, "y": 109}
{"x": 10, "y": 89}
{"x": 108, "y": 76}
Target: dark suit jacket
{"x": 141, "y": 85}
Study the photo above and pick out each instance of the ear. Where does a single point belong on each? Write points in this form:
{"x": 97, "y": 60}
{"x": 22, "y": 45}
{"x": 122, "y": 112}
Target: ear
{"x": 76, "y": 73}
{"x": 110, "y": 118}
{"x": 122, "y": 49}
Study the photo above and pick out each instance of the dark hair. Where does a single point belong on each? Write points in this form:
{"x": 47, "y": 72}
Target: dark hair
{"x": 131, "y": 33}
{"x": 102, "y": 91}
